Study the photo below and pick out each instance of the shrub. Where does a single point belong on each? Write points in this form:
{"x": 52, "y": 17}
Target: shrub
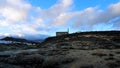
{"x": 110, "y": 58}
{"x": 50, "y": 62}
{"x": 29, "y": 59}
{"x": 113, "y": 64}
{"x": 87, "y": 66}
{"x": 99, "y": 54}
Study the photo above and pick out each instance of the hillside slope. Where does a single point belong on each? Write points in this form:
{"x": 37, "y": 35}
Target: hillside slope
{"x": 86, "y": 40}
{"x": 78, "y": 50}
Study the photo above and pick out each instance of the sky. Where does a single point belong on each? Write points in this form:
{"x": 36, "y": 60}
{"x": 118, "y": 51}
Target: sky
{"x": 46, "y": 17}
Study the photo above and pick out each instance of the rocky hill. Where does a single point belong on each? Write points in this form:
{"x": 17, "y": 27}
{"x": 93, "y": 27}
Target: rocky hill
{"x": 77, "y": 50}
{"x": 86, "y": 40}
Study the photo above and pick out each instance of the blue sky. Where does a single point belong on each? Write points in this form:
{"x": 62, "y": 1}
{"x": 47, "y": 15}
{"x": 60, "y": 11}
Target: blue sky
{"x": 34, "y": 17}
{"x": 78, "y": 4}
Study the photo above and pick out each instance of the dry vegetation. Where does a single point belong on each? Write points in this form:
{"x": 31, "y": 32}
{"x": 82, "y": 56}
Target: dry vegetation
{"x": 77, "y": 51}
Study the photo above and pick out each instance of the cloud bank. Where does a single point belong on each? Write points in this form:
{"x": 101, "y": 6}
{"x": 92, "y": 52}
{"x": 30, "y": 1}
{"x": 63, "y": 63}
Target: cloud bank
{"x": 20, "y": 17}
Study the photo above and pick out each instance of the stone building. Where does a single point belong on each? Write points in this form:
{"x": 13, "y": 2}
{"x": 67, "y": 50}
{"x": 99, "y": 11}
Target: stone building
{"x": 62, "y": 33}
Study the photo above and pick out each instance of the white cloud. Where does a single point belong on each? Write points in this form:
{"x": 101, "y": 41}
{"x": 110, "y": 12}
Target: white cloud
{"x": 14, "y": 11}
{"x": 115, "y": 9}
{"x": 58, "y": 14}
{"x": 62, "y": 19}
{"x": 3, "y": 23}
{"x": 92, "y": 16}
{"x": 12, "y": 14}
{"x": 23, "y": 18}
{"x": 38, "y": 23}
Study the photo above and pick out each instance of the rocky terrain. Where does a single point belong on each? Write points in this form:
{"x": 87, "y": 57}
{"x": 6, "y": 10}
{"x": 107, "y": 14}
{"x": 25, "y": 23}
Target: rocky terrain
{"x": 87, "y": 40}
{"x": 78, "y": 50}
